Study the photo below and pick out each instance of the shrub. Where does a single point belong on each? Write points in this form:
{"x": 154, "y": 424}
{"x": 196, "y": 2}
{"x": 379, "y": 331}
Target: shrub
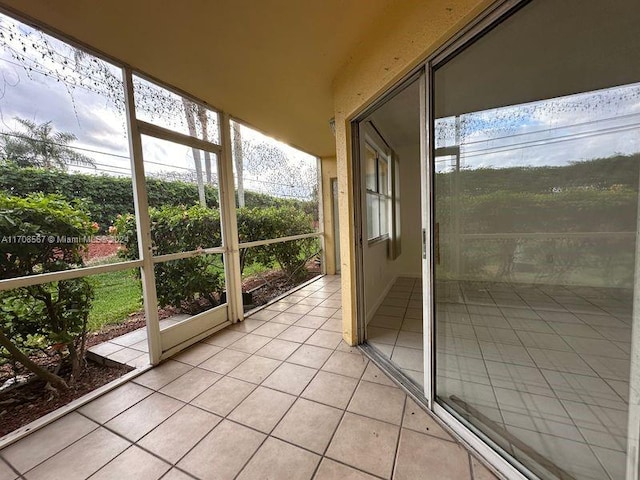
{"x": 191, "y": 284}
{"x": 264, "y": 223}
{"x": 194, "y": 284}
{"x": 34, "y": 233}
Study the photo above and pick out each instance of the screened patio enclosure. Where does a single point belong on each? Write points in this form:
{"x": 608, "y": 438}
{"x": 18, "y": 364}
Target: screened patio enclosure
{"x": 194, "y": 205}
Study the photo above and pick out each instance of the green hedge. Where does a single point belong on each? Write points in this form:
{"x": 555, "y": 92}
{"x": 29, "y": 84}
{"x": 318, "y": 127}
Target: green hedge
{"x": 560, "y": 204}
{"x": 598, "y": 174}
{"x": 106, "y": 197}
{"x": 194, "y": 284}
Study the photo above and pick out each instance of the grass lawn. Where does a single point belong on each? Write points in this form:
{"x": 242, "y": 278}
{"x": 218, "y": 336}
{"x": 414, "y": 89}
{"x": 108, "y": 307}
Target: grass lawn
{"x": 254, "y": 269}
{"x": 117, "y": 294}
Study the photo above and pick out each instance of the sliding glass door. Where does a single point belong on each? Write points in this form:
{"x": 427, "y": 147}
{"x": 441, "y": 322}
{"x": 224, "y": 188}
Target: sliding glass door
{"x": 535, "y": 172}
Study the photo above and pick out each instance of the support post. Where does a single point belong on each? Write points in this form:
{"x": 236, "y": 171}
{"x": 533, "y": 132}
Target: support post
{"x": 143, "y": 224}
{"x": 233, "y": 277}
{"x": 633, "y": 430}
{"x": 321, "y": 213}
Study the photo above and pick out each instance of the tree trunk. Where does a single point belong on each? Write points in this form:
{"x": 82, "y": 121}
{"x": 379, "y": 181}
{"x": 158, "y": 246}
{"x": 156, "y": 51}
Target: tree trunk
{"x": 237, "y": 148}
{"x": 204, "y": 121}
{"x": 76, "y": 352}
{"x": 191, "y": 125}
{"x": 42, "y": 373}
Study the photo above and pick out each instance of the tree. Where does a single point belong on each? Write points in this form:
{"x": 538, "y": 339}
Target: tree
{"x": 191, "y": 125}
{"x": 239, "y": 161}
{"x": 39, "y": 145}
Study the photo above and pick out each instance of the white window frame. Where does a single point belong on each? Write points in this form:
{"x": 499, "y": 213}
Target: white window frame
{"x": 383, "y": 153}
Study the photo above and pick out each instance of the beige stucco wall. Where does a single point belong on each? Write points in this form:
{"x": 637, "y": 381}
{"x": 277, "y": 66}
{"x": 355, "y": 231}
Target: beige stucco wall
{"x": 409, "y": 32}
{"x": 329, "y": 171}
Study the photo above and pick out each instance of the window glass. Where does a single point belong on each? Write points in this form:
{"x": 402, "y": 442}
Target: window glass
{"x": 536, "y": 213}
{"x": 383, "y": 176}
{"x": 373, "y": 215}
{"x": 384, "y": 212}
{"x": 370, "y": 168}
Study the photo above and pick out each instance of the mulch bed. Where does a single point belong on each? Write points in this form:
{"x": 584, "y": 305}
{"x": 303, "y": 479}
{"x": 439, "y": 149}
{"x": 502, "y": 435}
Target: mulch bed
{"x": 267, "y": 286}
{"x": 30, "y": 401}
{"x": 101, "y": 248}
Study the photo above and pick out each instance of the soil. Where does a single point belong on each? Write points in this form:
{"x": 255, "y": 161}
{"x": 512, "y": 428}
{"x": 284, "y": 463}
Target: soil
{"x": 269, "y": 285}
{"x": 101, "y": 248}
{"x": 31, "y": 400}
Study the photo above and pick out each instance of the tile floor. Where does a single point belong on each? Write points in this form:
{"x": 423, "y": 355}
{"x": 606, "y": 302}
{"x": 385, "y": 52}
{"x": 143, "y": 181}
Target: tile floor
{"x": 396, "y": 328}
{"x": 550, "y": 364}
{"x": 130, "y": 349}
{"x": 278, "y": 396}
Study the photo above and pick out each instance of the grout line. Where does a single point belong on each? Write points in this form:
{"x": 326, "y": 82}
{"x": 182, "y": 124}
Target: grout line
{"x": 65, "y": 448}
{"x": 102, "y": 425}
{"x": 15, "y": 470}
{"x": 135, "y": 443}
{"x": 397, "y": 449}
{"x": 349, "y": 466}
{"x": 344, "y": 412}
{"x": 471, "y": 472}
{"x": 267, "y": 435}
{"x": 166, "y": 475}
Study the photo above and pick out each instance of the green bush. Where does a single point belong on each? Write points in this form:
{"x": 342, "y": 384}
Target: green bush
{"x": 560, "y": 205}
{"x": 191, "y": 284}
{"x": 34, "y": 238}
{"x": 265, "y": 223}
{"x": 194, "y": 284}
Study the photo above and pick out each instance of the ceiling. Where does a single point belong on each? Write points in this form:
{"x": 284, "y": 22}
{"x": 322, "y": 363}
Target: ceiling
{"x": 398, "y": 119}
{"x": 552, "y": 52}
{"x": 270, "y": 63}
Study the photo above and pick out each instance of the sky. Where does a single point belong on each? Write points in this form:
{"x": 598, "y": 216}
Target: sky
{"x": 551, "y": 132}
{"x": 40, "y": 81}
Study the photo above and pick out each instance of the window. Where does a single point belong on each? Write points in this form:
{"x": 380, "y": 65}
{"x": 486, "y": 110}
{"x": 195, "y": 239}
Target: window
{"x": 378, "y": 191}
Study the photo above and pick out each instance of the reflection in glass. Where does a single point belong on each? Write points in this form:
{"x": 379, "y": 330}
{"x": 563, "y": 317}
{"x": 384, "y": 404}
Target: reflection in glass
{"x": 384, "y": 213}
{"x": 374, "y": 220}
{"x": 383, "y": 176}
{"x": 370, "y": 168}
{"x": 536, "y": 212}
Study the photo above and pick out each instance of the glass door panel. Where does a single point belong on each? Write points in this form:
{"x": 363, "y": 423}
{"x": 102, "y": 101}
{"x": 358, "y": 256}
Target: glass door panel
{"x": 535, "y": 218}
{"x": 186, "y": 235}
{"x": 534, "y": 284}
